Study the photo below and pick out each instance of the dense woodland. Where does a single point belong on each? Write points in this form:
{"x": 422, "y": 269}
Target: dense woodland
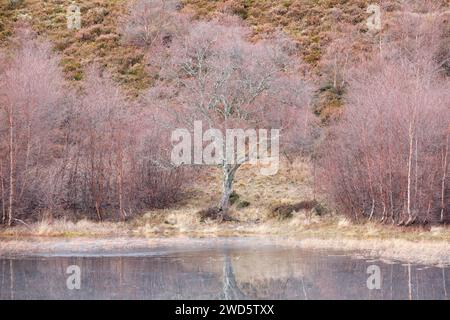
{"x": 90, "y": 147}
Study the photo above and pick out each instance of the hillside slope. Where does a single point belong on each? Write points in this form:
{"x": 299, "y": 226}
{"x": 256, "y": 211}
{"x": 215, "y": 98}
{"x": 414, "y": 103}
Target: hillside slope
{"x": 97, "y": 41}
{"x": 312, "y": 24}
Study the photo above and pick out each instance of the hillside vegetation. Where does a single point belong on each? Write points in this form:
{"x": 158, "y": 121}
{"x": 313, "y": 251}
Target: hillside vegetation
{"x": 313, "y": 25}
{"x": 97, "y": 41}
{"x": 308, "y": 22}
{"x": 320, "y": 29}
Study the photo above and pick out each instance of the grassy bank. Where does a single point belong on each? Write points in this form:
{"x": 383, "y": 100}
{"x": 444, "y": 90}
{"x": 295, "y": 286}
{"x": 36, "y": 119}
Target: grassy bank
{"x": 186, "y": 222}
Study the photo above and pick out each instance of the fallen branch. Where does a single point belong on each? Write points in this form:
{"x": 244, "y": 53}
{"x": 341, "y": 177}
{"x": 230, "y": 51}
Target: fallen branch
{"x": 23, "y": 222}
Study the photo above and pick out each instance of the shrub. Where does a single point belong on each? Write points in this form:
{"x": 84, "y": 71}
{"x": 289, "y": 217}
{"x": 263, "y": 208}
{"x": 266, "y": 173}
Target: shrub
{"x": 285, "y": 210}
{"x": 388, "y": 157}
{"x": 94, "y": 153}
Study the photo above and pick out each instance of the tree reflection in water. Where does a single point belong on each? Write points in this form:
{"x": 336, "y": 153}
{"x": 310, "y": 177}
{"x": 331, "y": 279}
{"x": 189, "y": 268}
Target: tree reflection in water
{"x": 234, "y": 272}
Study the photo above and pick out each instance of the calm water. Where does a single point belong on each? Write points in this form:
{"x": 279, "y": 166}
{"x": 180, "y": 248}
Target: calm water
{"x": 227, "y": 269}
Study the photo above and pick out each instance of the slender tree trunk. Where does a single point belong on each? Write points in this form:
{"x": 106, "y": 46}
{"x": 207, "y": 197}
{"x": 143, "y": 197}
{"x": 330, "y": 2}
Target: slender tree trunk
{"x": 369, "y": 176}
{"x": 444, "y": 176}
{"x": 314, "y": 177}
{"x": 97, "y": 210}
{"x": 410, "y": 156}
{"x": 410, "y": 293}
{"x": 428, "y": 211}
{"x": 95, "y": 181}
{"x": 372, "y": 210}
{"x": 120, "y": 182}
{"x": 383, "y": 217}
{"x": 12, "y": 173}
{"x": 21, "y": 188}
{"x": 2, "y": 187}
{"x": 11, "y": 279}
{"x": 390, "y": 186}
{"x": 416, "y": 175}
{"x": 227, "y": 188}
{"x": 444, "y": 284}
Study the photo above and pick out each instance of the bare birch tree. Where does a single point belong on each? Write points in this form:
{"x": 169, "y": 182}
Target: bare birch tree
{"x": 216, "y": 76}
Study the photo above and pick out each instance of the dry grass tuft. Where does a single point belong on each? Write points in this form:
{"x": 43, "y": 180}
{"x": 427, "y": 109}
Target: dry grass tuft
{"x": 285, "y": 210}
{"x": 64, "y": 228}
